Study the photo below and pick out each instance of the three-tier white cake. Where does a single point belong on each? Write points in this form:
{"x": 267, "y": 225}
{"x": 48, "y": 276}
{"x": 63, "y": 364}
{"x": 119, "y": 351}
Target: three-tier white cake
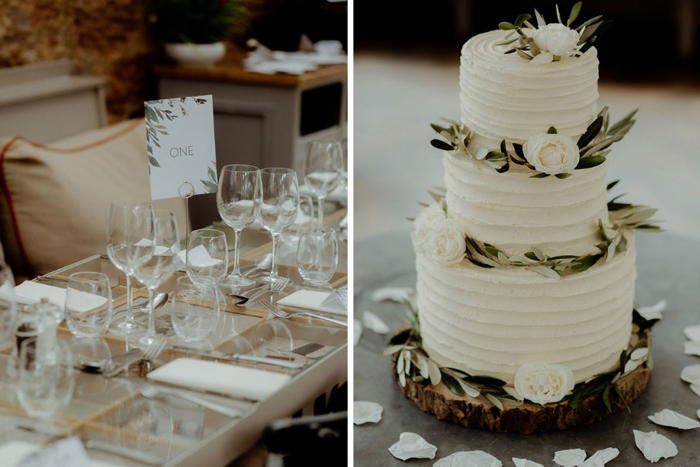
{"x": 491, "y": 319}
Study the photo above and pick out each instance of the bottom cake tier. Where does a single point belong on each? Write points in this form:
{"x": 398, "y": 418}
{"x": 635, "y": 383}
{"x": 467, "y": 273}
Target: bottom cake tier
{"x": 491, "y": 321}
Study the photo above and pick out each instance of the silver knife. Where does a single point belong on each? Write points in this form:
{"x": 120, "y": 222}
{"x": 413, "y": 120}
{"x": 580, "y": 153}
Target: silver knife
{"x": 245, "y": 358}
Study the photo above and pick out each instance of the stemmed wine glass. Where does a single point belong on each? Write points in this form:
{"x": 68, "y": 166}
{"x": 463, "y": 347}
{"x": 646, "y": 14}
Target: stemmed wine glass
{"x": 238, "y": 200}
{"x": 322, "y": 162}
{"x": 8, "y": 305}
{"x": 161, "y": 266}
{"x": 278, "y": 210}
{"x": 130, "y": 244}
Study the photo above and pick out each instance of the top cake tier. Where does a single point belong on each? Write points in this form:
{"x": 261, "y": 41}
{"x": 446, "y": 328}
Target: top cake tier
{"x": 507, "y": 97}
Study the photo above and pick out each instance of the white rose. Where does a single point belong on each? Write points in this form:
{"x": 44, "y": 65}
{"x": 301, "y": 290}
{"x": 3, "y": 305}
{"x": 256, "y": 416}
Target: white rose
{"x": 445, "y": 244}
{"x": 543, "y": 383}
{"x": 551, "y": 154}
{"x": 556, "y": 39}
{"x": 427, "y": 219}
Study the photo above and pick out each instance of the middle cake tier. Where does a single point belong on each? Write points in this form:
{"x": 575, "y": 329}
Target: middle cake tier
{"x": 515, "y": 212}
{"x": 491, "y": 321}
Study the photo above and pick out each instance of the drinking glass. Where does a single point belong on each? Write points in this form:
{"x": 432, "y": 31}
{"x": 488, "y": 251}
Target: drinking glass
{"x": 88, "y": 304}
{"x": 322, "y": 162}
{"x": 272, "y": 338}
{"x": 46, "y": 380}
{"x": 207, "y": 256}
{"x": 161, "y": 266}
{"x": 343, "y": 169}
{"x": 8, "y": 305}
{"x": 317, "y": 255}
{"x": 129, "y": 246}
{"x": 278, "y": 210}
{"x": 195, "y": 308}
{"x": 238, "y": 200}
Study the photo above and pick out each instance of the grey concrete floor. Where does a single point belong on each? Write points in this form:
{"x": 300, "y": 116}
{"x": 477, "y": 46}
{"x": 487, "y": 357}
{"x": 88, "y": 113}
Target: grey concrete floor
{"x": 397, "y": 97}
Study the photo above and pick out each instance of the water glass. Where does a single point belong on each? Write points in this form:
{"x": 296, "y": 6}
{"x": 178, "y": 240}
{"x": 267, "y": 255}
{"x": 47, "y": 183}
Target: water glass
{"x": 317, "y": 255}
{"x": 195, "y": 308}
{"x": 322, "y": 165}
{"x": 88, "y": 304}
{"x": 279, "y": 207}
{"x": 238, "y": 201}
{"x": 46, "y": 379}
{"x": 272, "y": 338}
{"x": 8, "y": 305}
{"x": 207, "y": 256}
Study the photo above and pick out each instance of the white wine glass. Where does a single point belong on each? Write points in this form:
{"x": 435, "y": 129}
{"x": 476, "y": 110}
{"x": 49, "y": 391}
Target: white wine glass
{"x": 238, "y": 200}
{"x": 207, "y": 256}
{"x": 8, "y": 304}
{"x": 322, "y": 163}
{"x": 279, "y": 207}
{"x": 161, "y": 266}
{"x": 130, "y": 245}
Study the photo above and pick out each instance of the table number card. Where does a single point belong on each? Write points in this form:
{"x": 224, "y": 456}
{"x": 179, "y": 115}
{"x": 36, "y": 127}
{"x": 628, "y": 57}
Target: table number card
{"x": 181, "y": 149}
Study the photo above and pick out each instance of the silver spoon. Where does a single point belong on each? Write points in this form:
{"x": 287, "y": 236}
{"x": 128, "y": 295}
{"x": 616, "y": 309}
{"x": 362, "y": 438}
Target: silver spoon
{"x": 261, "y": 263}
{"x": 158, "y": 301}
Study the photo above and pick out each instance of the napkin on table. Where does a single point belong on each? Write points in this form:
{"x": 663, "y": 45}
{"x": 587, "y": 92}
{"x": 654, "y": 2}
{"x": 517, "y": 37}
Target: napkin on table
{"x": 29, "y": 293}
{"x": 314, "y": 301}
{"x": 221, "y": 378}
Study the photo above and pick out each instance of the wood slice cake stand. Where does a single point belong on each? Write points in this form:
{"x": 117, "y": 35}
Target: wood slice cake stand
{"x": 527, "y": 418}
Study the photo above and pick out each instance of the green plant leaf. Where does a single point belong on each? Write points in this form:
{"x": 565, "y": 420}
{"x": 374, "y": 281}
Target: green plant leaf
{"x": 506, "y": 26}
{"x": 439, "y": 144}
{"x": 552, "y": 131}
{"x": 522, "y": 18}
{"x": 452, "y": 384}
{"x": 591, "y": 132}
{"x": 152, "y": 160}
{"x": 590, "y": 162}
{"x": 563, "y": 176}
{"x": 438, "y": 128}
{"x": 400, "y": 338}
{"x": 574, "y": 13}
{"x": 540, "y": 175}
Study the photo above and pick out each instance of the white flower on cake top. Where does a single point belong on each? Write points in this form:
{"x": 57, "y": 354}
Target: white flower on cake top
{"x": 426, "y": 220}
{"x": 555, "y": 39}
{"x": 543, "y": 383}
{"x": 551, "y": 153}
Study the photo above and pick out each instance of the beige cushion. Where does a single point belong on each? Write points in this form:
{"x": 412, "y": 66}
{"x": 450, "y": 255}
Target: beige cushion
{"x": 57, "y": 196}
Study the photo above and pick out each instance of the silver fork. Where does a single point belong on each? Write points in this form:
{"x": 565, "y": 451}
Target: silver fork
{"x": 152, "y": 392}
{"x": 149, "y": 355}
{"x": 275, "y": 287}
{"x": 284, "y": 315}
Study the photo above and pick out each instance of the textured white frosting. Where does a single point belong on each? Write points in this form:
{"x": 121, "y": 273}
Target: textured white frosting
{"x": 490, "y": 321}
{"x": 515, "y": 212}
{"x": 507, "y": 97}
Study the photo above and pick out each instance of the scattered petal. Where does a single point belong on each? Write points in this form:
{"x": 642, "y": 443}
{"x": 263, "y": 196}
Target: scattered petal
{"x": 692, "y": 332}
{"x": 412, "y": 446}
{"x": 570, "y": 457}
{"x": 469, "y": 459}
{"x": 691, "y": 348}
{"x": 394, "y": 294}
{"x": 366, "y": 412}
{"x": 525, "y": 463}
{"x": 358, "y": 331}
{"x": 653, "y": 311}
{"x": 602, "y": 457}
{"x": 375, "y": 323}
{"x": 654, "y": 446}
{"x": 696, "y": 389}
{"x": 673, "y": 419}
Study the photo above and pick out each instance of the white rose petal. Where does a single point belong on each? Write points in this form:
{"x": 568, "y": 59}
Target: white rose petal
{"x": 692, "y": 332}
{"x": 654, "y": 446}
{"x": 394, "y": 294}
{"x": 542, "y": 58}
{"x": 543, "y": 383}
{"x": 556, "y": 38}
{"x": 602, "y": 457}
{"x": 375, "y": 323}
{"x": 668, "y": 417}
{"x": 551, "y": 153}
{"x": 696, "y": 389}
{"x": 570, "y": 457}
{"x": 691, "y": 374}
{"x": 445, "y": 244}
{"x": 469, "y": 459}
{"x": 653, "y": 311}
{"x": 358, "y": 331}
{"x": 366, "y": 412}
{"x": 525, "y": 463}
{"x": 412, "y": 446}
{"x": 426, "y": 220}
{"x": 691, "y": 348}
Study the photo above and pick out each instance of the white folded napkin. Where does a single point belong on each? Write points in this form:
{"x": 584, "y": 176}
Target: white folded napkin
{"x": 198, "y": 257}
{"x": 339, "y": 193}
{"x": 14, "y": 452}
{"x": 29, "y": 293}
{"x": 220, "y": 378}
{"x": 315, "y": 301}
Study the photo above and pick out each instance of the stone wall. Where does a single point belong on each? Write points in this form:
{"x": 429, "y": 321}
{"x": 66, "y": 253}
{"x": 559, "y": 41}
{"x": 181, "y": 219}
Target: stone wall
{"x": 105, "y": 38}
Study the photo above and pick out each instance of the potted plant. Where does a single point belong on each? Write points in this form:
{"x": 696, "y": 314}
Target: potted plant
{"x": 194, "y": 30}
